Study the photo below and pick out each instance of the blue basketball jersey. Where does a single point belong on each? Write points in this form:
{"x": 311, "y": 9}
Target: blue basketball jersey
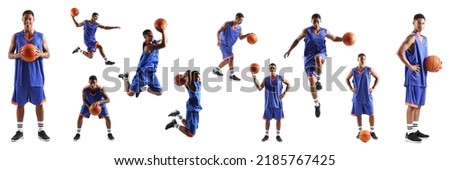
{"x": 315, "y": 43}
{"x": 149, "y": 61}
{"x": 417, "y": 57}
{"x": 274, "y": 87}
{"x": 89, "y": 31}
{"x": 361, "y": 81}
{"x": 229, "y": 36}
{"x": 93, "y": 95}
{"x": 193, "y": 103}
{"x": 29, "y": 73}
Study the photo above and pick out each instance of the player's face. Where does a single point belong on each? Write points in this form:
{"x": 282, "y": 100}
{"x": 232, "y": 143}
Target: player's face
{"x": 419, "y": 24}
{"x": 93, "y": 83}
{"x": 272, "y": 68}
{"x": 28, "y": 21}
{"x": 362, "y": 60}
{"x": 95, "y": 17}
{"x": 239, "y": 20}
{"x": 316, "y": 22}
{"x": 149, "y": 36}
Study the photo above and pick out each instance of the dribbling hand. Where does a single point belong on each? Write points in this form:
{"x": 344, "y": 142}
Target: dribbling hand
{"x": 286, "y": 55}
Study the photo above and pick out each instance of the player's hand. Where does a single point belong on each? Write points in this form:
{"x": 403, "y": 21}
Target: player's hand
{"x": 415, "y": 68}
{"x": 371, "y": 90}
{"x": 117, "y": 27}
{"x": 286, "y": 55}
{"x": 38, "y": 52}
{"x": 96, "y": 104}
{"x": 159, "y": 29}
{"x": 218, "y": 42}
{"x": 282, "y": 95}
{"x": 354, "y": 90}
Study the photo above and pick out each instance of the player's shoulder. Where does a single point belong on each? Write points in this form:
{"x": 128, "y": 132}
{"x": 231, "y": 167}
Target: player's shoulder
{"x": 86, "y": 87}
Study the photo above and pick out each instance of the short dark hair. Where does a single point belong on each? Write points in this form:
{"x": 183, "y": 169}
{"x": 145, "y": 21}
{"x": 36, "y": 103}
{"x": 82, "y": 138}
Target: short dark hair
{"x": 240, "y": 15}
{"x": 316, "y": 15}
{"x": 419, "y": 16}
{"x": 94, "y": 14}
{"x": 272, "y": 64}
{"x": 93, "y": 77}
{"x": 146, "y": 32}
{"x": 361, "y": 55}
{"x": 28, "y": 12}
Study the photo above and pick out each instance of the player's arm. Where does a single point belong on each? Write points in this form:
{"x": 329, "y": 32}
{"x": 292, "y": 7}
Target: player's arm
{"x": 222, "y": 28}
{"x": 85, "y": 102}
{"x": 377, "y": 78}
{"x": 401, "y": 52}
{"x": 258, "y": 86}
{"x": 105, "y": 98}
{"x": 295, "y": 43}
{"x": 288, "y": 86}
{"x": 241, "y": 37}
{"x": 333, "y": 38}
{"x": 108, "y": 27}
{"x": 349, "y": 76}
{"x": 190, "y": 79}
{"x": 45, "y": 53}
{"x": 162, "y": 44}
{"x": 12, "y": 49}
{"x": 77, "y": 24}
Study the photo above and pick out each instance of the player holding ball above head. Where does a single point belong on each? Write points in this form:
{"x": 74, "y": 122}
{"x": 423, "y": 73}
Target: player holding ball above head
{"x": 315, "y": 54}
{"x": 274, "y": 94}
{"x": 94, "y": 96}
{"x": 147, "y": 66}
{"x": 90, "y": 28}
{"x": 190, "y": 123}
{"x": 227, "y": 36}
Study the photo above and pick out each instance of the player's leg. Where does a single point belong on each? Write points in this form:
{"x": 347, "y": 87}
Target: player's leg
{"x": 411, "y": 101}
{"x": 278, "y": 115}
{"x": 79, "y": 125}
{"x": 421, "y": 99}
{"x": 37, "y": 98}
{"x": 314, "y": 94}
{"x": 319, "y": 60}
{"x": 100, "y": 48}
{"x": 267, "y": 116}
{"x": 226, "y": 54}
{"x": 231, "y": 66}
{"x": 357, "y": 112}
{"x": 20, "y": 98}
{"x": 368, "y": 109}
{"x": 154, "y": 87}
{"x": 108, "y": 127}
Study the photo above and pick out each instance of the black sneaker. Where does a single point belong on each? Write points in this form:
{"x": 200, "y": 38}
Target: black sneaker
{"x": 266, "y": 137}
{"x": 357, "y": 136}
{"x": 234, "y": 77}
{"x": 17, "y": 136}
{"x": 318, "y": 85}
{"x": 123, "y": 76}
{"x": 217, "y": 72}
{"x": 110, "y": 136}
{"x": 374, "y": 136}
{"x": 412, "y": 137}
{"x": 76, "y": 50}
{"x": 279, "y": 138}
{"x": 77, "y": 137}
{"x": 421, "y": 135}
{"x": 317, "y": 111}
{"x": 137, "y": 93}
{"x": 175, "y": 113}
{"x": 171, "y": 124}
{"x": 109, "y": 62}
{"x": 43, "y": 136}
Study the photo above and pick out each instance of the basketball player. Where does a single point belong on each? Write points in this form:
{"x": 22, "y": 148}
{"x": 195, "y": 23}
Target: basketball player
{"x": 147, "y": 66}
{"x": 413, "y": 52}
{"x": 273, "y": 96}
{"x": 29, "y": 76}
{"x": 362, "y": 93}
{"x": 93, "y": 94}
{"x": 315, "y": 54}
{"x": 90, "y": 28}
{"x": 193, "y": 107}
{"x": 226, "y": 38}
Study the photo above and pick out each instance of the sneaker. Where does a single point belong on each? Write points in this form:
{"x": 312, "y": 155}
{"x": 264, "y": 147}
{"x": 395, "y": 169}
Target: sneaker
{"x": 171, "y": 124}
{"x": 374, "y": 136}
{"x": 109, "y": 62}
{"x": 137, "y": 93}
{"x": 153, "y": 92}
{"x": 421, "y": 135}
{"x": 234, "y": 77}
{"x": 357, "y": 136}
{"x": 412, "y": 137}
{"x": 76, "y": 50}
{"x": 266, "y": 137}
{"x": 17, "y": 136}
{"x": 217, "y": 72}
{"x": 279, "y": 139}
{"x": 317, "y": 111}
{"x": 175, "y": 113}
{"x": 77, "y": 137}
{"x": 110, "y": 136}
{"x": 123, "y": 76}
{"x": 43, "y": 136}
{"x": 318, "y": 85}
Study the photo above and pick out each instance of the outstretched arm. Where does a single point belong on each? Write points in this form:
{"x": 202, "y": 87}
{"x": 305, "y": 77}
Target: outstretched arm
{"x": 349, "y": 76}
{"x": 108, "y": 27}
{"x": 288, "y": 86}
{"x": 375, "y": 75}
{"x": 12, "y": 49}
{"x": 76, "y": 23}
{"x": 241, "y": 37}
{"x": 222, "y": 28}
{"x": 45, "y": 53}
{"x": 333, "y": 38}
{"x": 401, "y": 53}
{"x": 296, "y": 41}
{"x": 258, "y": 86}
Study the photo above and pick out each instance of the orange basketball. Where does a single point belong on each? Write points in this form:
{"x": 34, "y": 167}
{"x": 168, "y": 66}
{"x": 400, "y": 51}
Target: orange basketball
{"x": 95, "y": 110}
{"x": 252, "y": 38}
{"x": 74, "y": 12}
{"x": 254, "y": 68}
{"x": 161, "y": 23}
{"x": 28, "y": 53}
{"x": 180, "y": 80}
{"x": 364, "y": 136}
{"x": 349, "y": 39}
{"x": 433, "y": 63}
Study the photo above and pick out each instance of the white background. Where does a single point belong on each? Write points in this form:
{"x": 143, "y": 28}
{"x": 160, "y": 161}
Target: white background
{"x": 230, "y": 123}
